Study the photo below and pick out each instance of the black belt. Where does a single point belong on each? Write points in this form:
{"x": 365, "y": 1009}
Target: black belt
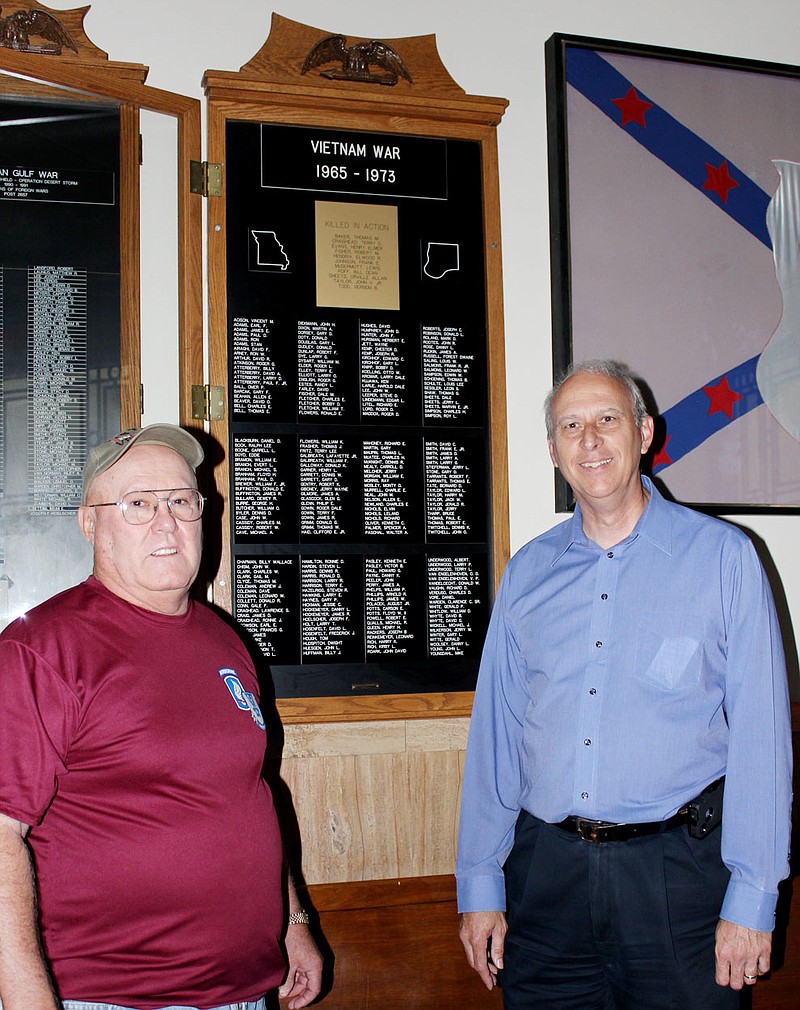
{"x": 607, "y": 831}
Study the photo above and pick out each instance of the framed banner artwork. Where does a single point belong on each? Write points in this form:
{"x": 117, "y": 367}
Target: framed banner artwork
{"x": 675, "y": 231}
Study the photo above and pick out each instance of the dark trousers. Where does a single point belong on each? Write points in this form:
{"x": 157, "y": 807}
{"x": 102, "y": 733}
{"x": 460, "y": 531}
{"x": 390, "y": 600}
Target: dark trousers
{"x": 616, "y": 926}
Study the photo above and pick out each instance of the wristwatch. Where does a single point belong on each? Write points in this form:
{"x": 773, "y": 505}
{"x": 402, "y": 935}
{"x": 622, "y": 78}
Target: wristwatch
{"x": 300, "y": 917}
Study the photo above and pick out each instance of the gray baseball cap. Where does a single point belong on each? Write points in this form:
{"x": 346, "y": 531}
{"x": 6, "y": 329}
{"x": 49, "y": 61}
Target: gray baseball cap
{"x": 107, "y": 453}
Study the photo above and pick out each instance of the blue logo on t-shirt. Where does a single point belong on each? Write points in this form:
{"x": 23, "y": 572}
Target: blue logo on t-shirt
{"x": 244, "y": 699}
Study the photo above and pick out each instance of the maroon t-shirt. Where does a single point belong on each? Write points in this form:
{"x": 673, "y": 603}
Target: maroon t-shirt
{"x": 133, "y": 743}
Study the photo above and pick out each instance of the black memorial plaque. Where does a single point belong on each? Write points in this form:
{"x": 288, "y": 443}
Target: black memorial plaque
{"x": 331, "y": 609}
{"x": 265, "y": 477}
{"x": 393, "y": 504}
{"x": 59, "y": 333}
{"x": 330, "y": 490}
{"x": 395, "y": 621}
{"x": 267, "y": 603}
{"x": 361, "y": 527}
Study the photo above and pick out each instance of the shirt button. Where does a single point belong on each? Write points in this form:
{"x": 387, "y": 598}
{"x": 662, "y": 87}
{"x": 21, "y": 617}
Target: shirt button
{"x": 610, "y": 554}
{"x": 587, "y": 742}
{"x": 604, "y": 596}
{"x": 598, "y": 644}
{"x": 584, "y": 796}
{"x": 592, "y": 690}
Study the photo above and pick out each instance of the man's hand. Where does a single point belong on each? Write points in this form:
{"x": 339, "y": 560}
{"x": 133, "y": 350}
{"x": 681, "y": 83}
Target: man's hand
{"x": 475, "y": 931}
{"x": 742, "y": 954}
{"x": 304, "y": 978}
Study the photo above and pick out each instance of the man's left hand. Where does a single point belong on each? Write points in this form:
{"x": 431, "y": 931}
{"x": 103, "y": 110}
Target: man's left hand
{"x": 304, "y": 978}
{"x": 742, "y": 954}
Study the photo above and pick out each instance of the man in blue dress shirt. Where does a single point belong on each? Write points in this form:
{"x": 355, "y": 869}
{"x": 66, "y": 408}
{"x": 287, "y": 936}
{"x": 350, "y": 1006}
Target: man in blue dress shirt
{"x": 633, "y": 659}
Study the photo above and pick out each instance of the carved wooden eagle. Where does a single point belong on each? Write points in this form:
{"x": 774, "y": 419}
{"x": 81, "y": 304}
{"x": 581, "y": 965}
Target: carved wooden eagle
{"x": 356, "y": 61}
{"x": 16, "y": 30}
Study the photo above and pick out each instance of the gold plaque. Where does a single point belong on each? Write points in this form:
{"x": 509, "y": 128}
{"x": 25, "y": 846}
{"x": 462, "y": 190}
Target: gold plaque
{"x": 357, "y": 257}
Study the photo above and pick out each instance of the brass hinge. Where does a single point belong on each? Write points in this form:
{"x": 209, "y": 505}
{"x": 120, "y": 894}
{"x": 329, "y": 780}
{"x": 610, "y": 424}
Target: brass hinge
{"x": 208, "y": 403}
{"x": 205, "y": 178}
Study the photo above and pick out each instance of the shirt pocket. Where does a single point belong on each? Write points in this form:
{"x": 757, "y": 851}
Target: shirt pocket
{"x": 671, "y": 662}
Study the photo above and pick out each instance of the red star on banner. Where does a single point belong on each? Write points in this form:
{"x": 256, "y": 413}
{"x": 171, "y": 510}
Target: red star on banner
{"x": 721, "y": 397}
{"x": 719, "y": 181}
{"x": 662, "y": 457}
{"x": 632, "y": 108}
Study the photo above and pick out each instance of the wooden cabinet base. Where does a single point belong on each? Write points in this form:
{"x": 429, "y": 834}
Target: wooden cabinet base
{"x": 395, "y": 944}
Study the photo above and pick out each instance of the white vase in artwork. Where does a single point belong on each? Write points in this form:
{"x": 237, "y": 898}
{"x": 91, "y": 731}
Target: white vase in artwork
{"x": 778, "y": 370}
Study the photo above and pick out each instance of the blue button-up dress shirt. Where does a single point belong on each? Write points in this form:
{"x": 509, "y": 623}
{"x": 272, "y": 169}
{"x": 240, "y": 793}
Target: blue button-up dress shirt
{"x": 616, "y": 684}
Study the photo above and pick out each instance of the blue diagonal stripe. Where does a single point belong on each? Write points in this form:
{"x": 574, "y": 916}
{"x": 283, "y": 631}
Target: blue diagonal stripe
{"x": 670, "y": 141}
{"x": 689, "y": 423}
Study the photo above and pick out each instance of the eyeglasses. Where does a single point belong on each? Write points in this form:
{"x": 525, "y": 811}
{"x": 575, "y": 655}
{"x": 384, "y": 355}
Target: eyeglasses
{"x": 139, "y": 507}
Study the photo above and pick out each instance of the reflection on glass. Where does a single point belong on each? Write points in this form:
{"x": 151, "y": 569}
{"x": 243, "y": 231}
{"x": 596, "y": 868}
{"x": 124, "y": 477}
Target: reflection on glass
{"x": 59, "y": 331}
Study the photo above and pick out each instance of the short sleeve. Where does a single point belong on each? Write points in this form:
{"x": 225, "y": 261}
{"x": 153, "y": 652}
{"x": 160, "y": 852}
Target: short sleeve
{"x": 38, "y": 715}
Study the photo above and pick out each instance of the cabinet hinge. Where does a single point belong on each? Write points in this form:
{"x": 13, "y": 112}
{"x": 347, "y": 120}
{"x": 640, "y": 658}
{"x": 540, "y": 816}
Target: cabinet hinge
{"x": 208, "y": 403}
{"x": 205, "y": 178}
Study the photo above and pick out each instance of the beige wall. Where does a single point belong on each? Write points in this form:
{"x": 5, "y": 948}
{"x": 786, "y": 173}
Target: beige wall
{"x": 380, "y": 799}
